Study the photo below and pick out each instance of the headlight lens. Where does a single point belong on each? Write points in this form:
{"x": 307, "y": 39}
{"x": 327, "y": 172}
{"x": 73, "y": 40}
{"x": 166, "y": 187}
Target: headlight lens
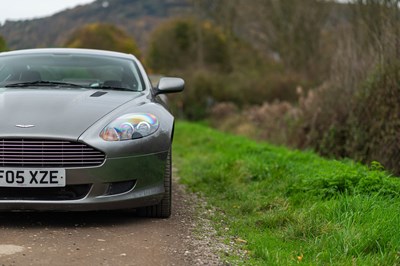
{"x": 130, "y": 126}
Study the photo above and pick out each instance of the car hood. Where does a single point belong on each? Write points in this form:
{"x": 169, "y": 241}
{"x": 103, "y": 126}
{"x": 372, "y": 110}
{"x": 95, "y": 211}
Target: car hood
{"x": 56, "y": 113}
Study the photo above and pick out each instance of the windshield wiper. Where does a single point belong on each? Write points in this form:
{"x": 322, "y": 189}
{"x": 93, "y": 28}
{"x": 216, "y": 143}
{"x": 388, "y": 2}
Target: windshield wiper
{"x": 41, "y": 83}
{"x": 102, "y": 87}
{"x": 65, "y": 84}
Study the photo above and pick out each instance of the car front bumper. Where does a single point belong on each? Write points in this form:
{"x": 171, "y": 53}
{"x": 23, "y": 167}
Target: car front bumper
{"x": 120, "y": 183}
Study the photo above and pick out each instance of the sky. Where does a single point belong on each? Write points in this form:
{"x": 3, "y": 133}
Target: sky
{"x": 28, "y": 9}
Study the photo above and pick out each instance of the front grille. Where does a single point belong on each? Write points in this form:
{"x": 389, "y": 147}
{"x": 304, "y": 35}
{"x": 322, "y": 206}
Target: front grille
{"x": 72, "y": 192}
{"x": 48, "y": 154}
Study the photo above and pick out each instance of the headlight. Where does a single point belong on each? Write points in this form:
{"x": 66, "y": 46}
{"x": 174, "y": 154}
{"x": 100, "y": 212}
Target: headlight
{"x": 130, "y": 126}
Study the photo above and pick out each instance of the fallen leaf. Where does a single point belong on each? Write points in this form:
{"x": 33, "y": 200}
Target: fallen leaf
{"x": 239, "y": 240}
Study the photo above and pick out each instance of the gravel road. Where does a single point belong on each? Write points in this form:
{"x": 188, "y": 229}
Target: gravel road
{"x": 109, "y": 238}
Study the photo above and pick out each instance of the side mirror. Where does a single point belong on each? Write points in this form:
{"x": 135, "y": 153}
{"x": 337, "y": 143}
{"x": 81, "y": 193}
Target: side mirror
{"x": 170, "y": 85}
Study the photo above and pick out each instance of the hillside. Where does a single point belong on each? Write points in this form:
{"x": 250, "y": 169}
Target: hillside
{"x": 136, "y": 17}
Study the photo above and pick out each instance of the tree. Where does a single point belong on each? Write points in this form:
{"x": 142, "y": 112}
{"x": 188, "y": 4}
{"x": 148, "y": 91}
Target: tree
{"x": 104, "y": 37}
{"x": 179, "y": 44}
{"x": 376, "y": 25}
{"x": 291, "y": 29}
{"x": 224, "y": 13}
{"x": 291, "y": 32}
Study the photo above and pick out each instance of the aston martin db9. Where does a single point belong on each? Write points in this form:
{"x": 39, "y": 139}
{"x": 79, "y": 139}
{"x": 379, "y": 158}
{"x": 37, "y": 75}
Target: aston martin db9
{"x": 83, "y": 130}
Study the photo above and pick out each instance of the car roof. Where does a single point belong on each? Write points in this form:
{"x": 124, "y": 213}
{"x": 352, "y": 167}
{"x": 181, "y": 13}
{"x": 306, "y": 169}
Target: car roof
{"x": 68, "y": 51}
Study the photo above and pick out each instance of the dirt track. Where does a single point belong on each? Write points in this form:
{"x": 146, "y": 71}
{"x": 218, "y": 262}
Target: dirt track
{"x": 104, "y": 238}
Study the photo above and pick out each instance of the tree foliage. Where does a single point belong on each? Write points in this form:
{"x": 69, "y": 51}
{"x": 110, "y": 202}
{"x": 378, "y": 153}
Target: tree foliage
{"x": 185, "y": 42}
{"x": 104, "y": 37}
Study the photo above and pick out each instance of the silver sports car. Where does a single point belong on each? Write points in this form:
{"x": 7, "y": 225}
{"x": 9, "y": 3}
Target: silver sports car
{"x": 83, "y": 130}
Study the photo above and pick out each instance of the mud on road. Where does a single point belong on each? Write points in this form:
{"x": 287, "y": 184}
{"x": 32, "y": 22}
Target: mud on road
{"x": 106, "y": 238}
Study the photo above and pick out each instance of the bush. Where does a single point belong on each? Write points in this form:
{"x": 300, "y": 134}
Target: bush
{"x": 363, "y": 123}
{"x": 374, "y": 125}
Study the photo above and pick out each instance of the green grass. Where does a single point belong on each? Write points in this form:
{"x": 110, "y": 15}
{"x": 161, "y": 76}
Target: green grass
{"x": 290, "y": 206}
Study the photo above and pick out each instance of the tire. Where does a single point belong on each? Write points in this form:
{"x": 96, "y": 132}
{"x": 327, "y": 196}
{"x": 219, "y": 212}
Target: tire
{"x": 162, "y": 209}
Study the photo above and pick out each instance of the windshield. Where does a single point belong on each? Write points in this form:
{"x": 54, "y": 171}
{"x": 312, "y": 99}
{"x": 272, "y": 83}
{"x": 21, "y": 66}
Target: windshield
{"x": 89, "y": 71}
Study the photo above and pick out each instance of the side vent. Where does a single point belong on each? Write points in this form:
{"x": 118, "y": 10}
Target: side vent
{"x": 98, "y": 94}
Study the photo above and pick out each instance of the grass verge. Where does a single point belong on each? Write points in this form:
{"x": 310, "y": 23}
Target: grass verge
{"x": 289, "y": 207}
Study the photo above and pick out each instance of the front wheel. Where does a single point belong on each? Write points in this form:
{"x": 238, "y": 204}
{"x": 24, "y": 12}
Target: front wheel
{"x": 162, "y": 209}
